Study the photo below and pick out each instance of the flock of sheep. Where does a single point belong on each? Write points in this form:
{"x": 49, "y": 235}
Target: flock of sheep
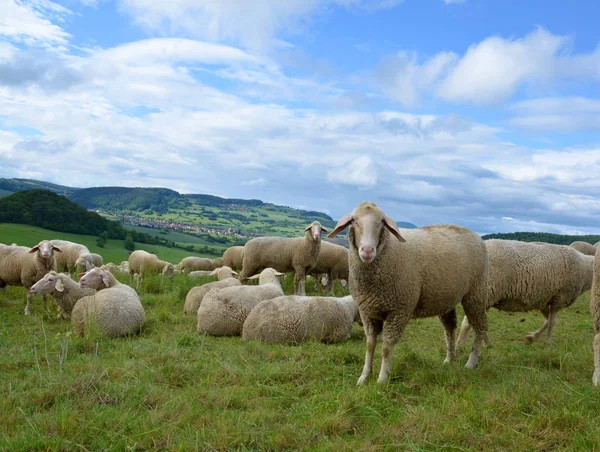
{"x": 393, "y": 275}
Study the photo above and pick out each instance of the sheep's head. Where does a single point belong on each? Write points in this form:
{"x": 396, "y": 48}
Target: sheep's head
{"x": 169, "y": 271}
{"x": 367, "y": 225}
{"x": 48, "y": 284}
{"x": 45, "y": 249}
{"x": 268, "y": 275}
{"x": 315, "y": 230}
{"x": 223, "y": 272}
{"x": 83, "y": 264}
{"x": 96, "y": 278}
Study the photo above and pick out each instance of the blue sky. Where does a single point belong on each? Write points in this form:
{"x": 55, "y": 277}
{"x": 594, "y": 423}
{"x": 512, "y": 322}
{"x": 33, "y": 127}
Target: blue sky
{"x": 479, "y": 113}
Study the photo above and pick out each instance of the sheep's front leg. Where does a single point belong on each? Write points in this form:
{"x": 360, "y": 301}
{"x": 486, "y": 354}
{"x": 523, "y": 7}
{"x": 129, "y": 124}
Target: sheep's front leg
{"x": 29, "y": 295}
{"x": 393, "y": 327}
{"x": 299, "y": 282}
{"x": 532, "y": 337}
{"x": 596, "y": 377}
{"x": 372, "y": 328}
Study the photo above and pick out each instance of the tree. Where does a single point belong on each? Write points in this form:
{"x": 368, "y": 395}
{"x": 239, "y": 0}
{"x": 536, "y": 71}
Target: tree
{"x": 129, "y": 244}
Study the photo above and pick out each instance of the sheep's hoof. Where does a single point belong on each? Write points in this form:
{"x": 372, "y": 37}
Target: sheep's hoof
{"x": 27, "y": 312}
{"x": 529, "y": 339}
{"x": 383, "y": 380}
{"x": 448, "y": 360}
{"x": 596, "y": 378}
{"x": 473, "y": 362}
{"x": 361, "y": 380}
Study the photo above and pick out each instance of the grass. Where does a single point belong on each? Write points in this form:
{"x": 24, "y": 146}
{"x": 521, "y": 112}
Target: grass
{"x": 169, "y": 388}
{"x": 113, "y": 251}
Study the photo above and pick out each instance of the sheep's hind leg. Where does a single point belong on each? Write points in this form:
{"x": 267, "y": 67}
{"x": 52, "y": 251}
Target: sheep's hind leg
{"x": 596, "y": 377}
{"x": 449, "y": 321}
{"x": 477, "y": 316}
{"x": 372, "y": 329}
{"x": 533, "y": 336}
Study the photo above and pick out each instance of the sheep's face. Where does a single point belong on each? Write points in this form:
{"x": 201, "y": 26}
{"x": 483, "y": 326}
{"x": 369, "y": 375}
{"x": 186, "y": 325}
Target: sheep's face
{"x": 224, "y": 272}
{"x": 48, "y": 284}
{"x": 367, "y": 224}
{"x": 83, "y": 265}
{"x": 95, "y": 279}
{"x": 45, "y": 249}
{"x": 315, "y": 230}
{"x": 169, "y": 271}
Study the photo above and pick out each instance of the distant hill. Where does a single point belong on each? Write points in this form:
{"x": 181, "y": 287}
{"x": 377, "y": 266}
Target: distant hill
{"x": 9, "y": 186}
{"x": 557, "y": 239}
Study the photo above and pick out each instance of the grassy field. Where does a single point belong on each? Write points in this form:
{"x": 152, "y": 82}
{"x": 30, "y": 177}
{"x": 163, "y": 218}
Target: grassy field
{"x": 169, "y": 388}
{"x": 112, "y": 252}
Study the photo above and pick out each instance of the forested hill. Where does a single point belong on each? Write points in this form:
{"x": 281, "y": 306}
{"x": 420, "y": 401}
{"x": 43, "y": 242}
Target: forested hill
{"x": 558, "y": 239}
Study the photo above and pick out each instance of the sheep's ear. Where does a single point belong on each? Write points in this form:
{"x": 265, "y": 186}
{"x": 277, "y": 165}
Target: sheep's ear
{"x": 234, "y": 273}
{"x": 105, "y": 280}
{"x": 214, "y": 272}
{"x": 279, "y": 274}
{"x": 57, "y": 249}
{"x": 59, "y": 285}
{"x": 35, "y": 249}
{"x": 253, "y": 277}
{"x": 307, "y": 227}
{"x": 323, "y": 229}
{"x": 392, "y": 227}
{"x": 80, "y": 275}
{"x": 341, "y": 225}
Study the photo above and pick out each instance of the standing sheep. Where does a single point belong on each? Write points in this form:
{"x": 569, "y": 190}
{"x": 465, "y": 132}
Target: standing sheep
{"x": 63, "y": 289}
{"x": 193, "y": 263}
{"x": 333, "y": 262}
{"x": 293, "y": 319}
{"x": 22, "y": 266}
{"x": 595, "y": 308}
{"x": 194, "y": 298}
{"x": 115, "y": 308}
{"x": 142, "y": 262}
{"x": 74, "y": 257}
{"x": 526, "y": 277}
{"x": 285, "y": 255}
{"x": 584, "y": 247}
{"x": 421, "y": 272}
{"x": 233, "y": 257}
{"x": 223, "y": 311}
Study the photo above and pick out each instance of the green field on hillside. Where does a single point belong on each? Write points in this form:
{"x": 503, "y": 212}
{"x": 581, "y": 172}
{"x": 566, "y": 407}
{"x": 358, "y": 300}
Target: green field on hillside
{"x": 112, "y": 252}
{"x": 169, "y": 388}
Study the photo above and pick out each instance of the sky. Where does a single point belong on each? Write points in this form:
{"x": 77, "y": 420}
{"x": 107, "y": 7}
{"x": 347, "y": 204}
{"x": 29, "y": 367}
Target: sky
{"x": 482, "y": 113}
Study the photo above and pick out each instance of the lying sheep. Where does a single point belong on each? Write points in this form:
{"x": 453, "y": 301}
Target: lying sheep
{"x": 285, "y": 255}
{"x": 233, "y": 257}
{"x": 193, "y": 263}
{"x": 595, "y": 308}
{"x": 22, "y": 266}
{"x": 96, "y": 260}
{"x": 63, "y": 289}
{"x": 526, "y": 277}
{"x": 141, "y": 262}
{"x": 584, "y": 247}
{"x": 224, "y": 311}
{"x": 218, "y": 263}
{"x": 333, "y": 262}
{"x": 75, "y": 257}
{"x": 115, "y": 308}
{"x": 194, "y": 298}
{"x": 399, "y": 275}
{"x": 293, "y": 319}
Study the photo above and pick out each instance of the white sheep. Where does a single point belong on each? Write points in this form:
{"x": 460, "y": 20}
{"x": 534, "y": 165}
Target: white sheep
{"x": 23, "y": 266}
{"x": 193, "y": 263}
{"x": 97, "y": 260}
{"x": 584, "y": 247}
{"x": 285, "y": 255}
{"x": 63, "y": 289}
{"x": 142, "y": 262}
{"x": 333, "y": 263}
{"x": 233, "y": 257}
{"x": 224, "y": 311}
{"x": 396, "y": 276}
{"x": 194, "y": 298}
{"x": 526, "y": 277}
{"x": 115, "y": 309}
{"x": 218, "y": 263}
{"x": 74, "y": 257}
{"x": 294, "y": 319}
{"x": 595, "y": 308}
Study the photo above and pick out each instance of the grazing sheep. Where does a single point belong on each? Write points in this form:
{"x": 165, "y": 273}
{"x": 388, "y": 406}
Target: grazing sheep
{"x": 63, "y": 289}
{"x": 233, "y": 257}
{"x": 194, "y": 298}
{"x": 224, "y": 311}
{"x": 399, "y": 275}
{"x": 193, "y": 263}
{"x": 22, "y": 266}
{"x": 526, "y": 277}
{"x": 294, "y": 319}
{"x": 333, "y": 262}
{"x": 74, "y": 257}
{"x": 584, "y": 247}
{"x": 142, "y": 262}
{"x": 218, "y": 263}
{"x": 96, "y": 260}
{"x": 595, "y": 308}
{"x": 285, "y": 255}
{"x": 115, "y": 308}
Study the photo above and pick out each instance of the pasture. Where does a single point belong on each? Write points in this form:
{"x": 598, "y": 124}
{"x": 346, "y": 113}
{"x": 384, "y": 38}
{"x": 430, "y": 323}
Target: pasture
{"x": 169, "y": 388}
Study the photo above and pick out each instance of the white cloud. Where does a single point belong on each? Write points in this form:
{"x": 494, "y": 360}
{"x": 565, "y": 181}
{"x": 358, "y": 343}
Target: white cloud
{"x": 360, "y": 171}
{"x": 454, "y": 2}
{"x": 557, "y": 114}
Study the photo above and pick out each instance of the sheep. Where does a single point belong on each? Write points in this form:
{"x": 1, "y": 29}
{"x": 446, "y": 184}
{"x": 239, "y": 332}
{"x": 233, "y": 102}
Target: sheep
{"x": 223, "y": 311}
{"x": 584, "y": 247}
{"x": 333, "y": 262}
{"x": 194, "y": 298}
{"x": 285, "y": 255}
{"x": 398, "y": 275}
{"x": 218, "y": 263}
{"x": 294, "y": 319}
{"x": 74, "y": 257}
{"x": 63, "y": 289}
{"x": 525, "y": 277}
{"x": 142, "y": 262}
{"x": 595, "y": 308}
{"x": 97, "y": 260}
{"x": 233, "y": 257}
{"x": 23, "y": 266}
{"x": 193, "y": 263}
{"x": 115, "y": 308}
